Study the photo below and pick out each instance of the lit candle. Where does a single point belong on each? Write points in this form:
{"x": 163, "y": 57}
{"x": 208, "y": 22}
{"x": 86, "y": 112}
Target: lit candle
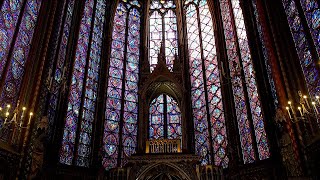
{"x": 8, "y": 108}
{"x": 318, "y": 99}
{"x": 31, "y": 114}
{"x": 306, "y": 100}
{"x": 0, "y": 108}
{"x": 289, "y": 102}
{"x": 315, "y": 107}
{"x": 287, "y": 108}
{"x": 22, "y": 115}
{"x": 299, "y": 108}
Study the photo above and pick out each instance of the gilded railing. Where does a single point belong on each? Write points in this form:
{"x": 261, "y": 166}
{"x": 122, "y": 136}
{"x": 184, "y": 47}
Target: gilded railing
{"x": 163, "y": 146}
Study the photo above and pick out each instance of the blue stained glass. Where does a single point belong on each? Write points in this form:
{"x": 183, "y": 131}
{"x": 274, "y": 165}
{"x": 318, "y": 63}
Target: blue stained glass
{"x": 8, "y": 21}
{"x": 309, "y": 67}
{"x": 10, "y": 11}
{"x": 80, "y": 80}
{"x": 126, "y": 24}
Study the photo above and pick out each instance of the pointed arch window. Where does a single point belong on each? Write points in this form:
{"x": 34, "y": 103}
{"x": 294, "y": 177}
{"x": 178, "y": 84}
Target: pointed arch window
{"x": 82, "y": 97}
{"x": 164, "y": 118}
{"x": 308, "y": 51}
{"x": 121, "y": 115}
{"x": 207, "y": 105}
{"x": 18, "y": 20}
{"x": 246, "y": 97}
{"x": 162, "y": 28}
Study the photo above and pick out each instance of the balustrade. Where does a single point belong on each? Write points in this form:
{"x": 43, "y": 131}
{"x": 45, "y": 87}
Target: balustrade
{"x": 163, "y": 146}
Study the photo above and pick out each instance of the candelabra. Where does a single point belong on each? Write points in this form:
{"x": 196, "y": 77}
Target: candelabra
{"x": 304, "y": 108}
{"x": 305, "y": 111}
{"x": 13, "y": 122}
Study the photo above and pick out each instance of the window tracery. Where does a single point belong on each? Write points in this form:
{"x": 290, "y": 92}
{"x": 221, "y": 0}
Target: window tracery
{"x": 162, "y": 28}
{"x": 164, "y": 118}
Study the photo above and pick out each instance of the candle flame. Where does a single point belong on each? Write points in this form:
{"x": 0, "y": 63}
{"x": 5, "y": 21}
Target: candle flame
{"x": 8, "y": 106}
{"x": 304, "y": 96}
{"x": 317, "y": 97}
{"x": 299, "y": 108}
{"x": 24, "y": 108}
{"x": 287, "y": 108}
{"x": 31, "y": 113}
{"x": 289, "y": 102}
{"x": 314, "y": 103}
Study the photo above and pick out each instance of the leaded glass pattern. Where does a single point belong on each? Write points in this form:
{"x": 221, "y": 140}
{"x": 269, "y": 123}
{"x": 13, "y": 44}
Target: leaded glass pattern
{"x": 205, "y": 85}
{"x": 20, "y": 47}
{"x": 312, "y": 15}
{"x": 156, "y": 118}
{"x": 266, "y": 54}
{"x": 91, "y": 87}
{"x": 9, "y": 15}
{"x": 303, "y": 46}
{"x": 121, "y": 115}
{"x": 162, "y": 29}
{"x": 235, "y": 34}
{"x": 81, "y": 110}
{"x": 164, "y": 118}
{"x": 60, "y": 70}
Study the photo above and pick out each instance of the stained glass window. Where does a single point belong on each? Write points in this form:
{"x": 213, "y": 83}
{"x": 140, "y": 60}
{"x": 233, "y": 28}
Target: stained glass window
{"x": 60, "y": 70}
{"x": 16, "y": 37}
{"x": 162, "y": 29}
{"x": 121, "y": 115}
{"x": 300, "y": 37}
{"x": 83, "y": 89}
{"x": 209, "y": 121}
{"x": 266, "y": 50}
{"x": 248, "y": 107}
{"x": 164, "y": 118}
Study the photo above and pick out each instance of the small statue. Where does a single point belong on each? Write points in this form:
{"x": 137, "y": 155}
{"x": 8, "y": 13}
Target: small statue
{"x": 38, "y": 151}
{"x": 285, "y": 144}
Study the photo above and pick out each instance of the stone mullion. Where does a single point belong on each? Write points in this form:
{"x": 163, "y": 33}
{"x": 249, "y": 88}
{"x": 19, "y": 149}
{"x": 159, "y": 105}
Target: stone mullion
{"x": 263, "y": 86}
{"x": 307, "y": 31}
{"x": 69, "y": 61}
{"x": 184, "y": 55}
{"x": 144, "y": 73}
{"x": 234, "y": 151}
{"x": 84, "y": 84}
{"x": 243, "y": 82}
{"x": 98, "y": 128}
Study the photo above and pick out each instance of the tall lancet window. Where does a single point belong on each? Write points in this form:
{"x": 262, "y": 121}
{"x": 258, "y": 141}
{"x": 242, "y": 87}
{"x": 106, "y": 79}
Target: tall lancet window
{"x": 246, "y": 98}
{"x": 59, "y": 66}
{"x": 301, "y": 34}
{"x": 207, "y": 105}
{"x": 121, "y": 115}
{"x": 164, "y": 118}
{"x": 162, "y": 28}
{"x": 82, "y": 98}
{"x": 18, "y": 20}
